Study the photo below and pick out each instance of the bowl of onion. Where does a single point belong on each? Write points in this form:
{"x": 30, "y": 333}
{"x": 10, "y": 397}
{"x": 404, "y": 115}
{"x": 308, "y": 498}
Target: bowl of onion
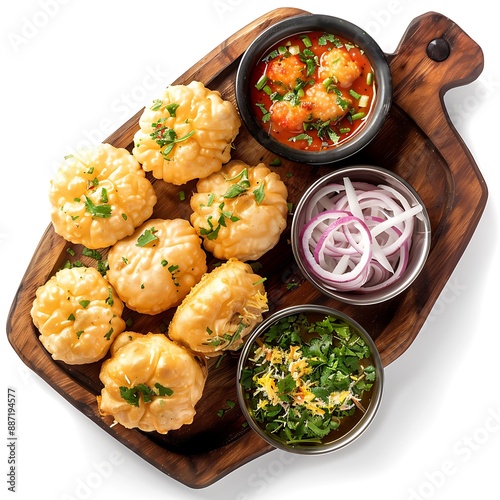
{"x": 361, "y": 234}
{"x": 313, "y": 88}
{"x": 310, "y": 379}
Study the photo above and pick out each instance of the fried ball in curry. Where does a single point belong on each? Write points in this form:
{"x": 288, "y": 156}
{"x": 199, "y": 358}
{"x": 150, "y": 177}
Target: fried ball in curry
{"x": 221, "y": 310}
{"x": 151, "y": 383}
{"x": 284, "y": 72}
{"x": 327, "y": 105}
{"x": 240, "y": 211}
{"x": 99, "y": 195}
{"x": 338, "y": 65}
{"x": 153, "y": 269}
{"x": 187, "y": 133}
{"x": 78, "y": 315}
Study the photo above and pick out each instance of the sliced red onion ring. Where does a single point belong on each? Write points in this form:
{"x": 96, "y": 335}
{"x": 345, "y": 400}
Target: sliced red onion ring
{"x": 358, "y": 236}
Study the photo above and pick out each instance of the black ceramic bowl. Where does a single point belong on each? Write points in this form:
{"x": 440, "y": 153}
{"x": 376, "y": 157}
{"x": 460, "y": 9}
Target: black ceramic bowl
{"x": 304, "y": 24}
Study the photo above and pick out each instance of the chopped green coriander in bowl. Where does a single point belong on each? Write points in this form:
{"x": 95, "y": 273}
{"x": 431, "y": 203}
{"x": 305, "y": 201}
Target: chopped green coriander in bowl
{"x": 309, "y": 379}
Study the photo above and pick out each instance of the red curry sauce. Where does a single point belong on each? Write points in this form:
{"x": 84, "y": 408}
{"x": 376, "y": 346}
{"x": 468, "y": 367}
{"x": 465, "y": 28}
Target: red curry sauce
{"x": 313, "y": 91}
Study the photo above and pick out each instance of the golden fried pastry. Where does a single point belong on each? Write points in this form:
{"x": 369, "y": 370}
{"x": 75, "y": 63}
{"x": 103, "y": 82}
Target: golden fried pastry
{"x": 153, "y": 269}
{"x": 151, "y": 383}
{"x": 240, "y": 211}
{"x": 220, "y": 310}
{"x": 78, "y": 315}
{"x": 186, "y": 134}
{"x": 100, "y": 195}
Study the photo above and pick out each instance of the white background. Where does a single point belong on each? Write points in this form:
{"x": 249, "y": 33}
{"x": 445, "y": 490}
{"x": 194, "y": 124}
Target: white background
{"x": 73, "y": 72}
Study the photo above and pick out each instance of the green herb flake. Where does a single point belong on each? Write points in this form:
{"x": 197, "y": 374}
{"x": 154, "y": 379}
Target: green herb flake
{"x": 99, "y": 211}
{"x": 157, "y": 104}
{"x": 84, "y": 303}
{"x": 93, "y": 254}
{"x": 132, "y": 395}
{"x": 166, "y": 137}
{"x": 302, "y": 137}
{"x": 259, "y": 194}
{"x": 172, "y": 108}
{"x": 104, "y": 195}
{"x": 110, "y": 301}
{"x": 147, "y": 237}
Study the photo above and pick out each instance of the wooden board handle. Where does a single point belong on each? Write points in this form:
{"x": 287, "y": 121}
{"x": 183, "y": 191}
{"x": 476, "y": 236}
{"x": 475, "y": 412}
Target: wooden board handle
{"x": 434, "y": 55}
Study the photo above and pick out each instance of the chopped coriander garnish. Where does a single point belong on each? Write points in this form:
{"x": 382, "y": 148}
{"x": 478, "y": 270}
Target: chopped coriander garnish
{"x": 302, "y": 137}
{"x": 182, "y": 195}
{"x": 84, "y": 303}
{"x": 306, "y": 376}
{"x": 157, "y": 104}
{"x": 172, "y": 108}
{"x": 259, "y": 194}
{"x": 266, "y": 115}
{"x": 94, "y": 254}
{"x": 99, "y": 211}
{"x": 79, "y": 334}
{"x": 104, "y": 195}
{"x": 166, "y": 137}
{"x": 108, "y": 335}
{"x": 110, "y": 301}
{"x": 213, "y": 231}
{"x": 132, "y": 395}
{"x": 240, "y": 187}
{"x": 146, "y": 237}
{"x": 102, "y": 267}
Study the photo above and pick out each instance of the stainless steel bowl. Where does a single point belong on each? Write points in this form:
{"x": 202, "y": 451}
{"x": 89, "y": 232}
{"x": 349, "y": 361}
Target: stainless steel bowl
{"x": 336, "y": 439}
{"x": 421, "y": 238}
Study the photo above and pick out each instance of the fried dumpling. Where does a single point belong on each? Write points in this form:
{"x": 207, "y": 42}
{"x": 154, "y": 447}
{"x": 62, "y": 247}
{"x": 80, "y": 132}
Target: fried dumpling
{"x": 99, "y": 195}
{"x": 220, "y": 310}
{"x": 186, "y": 134}
{"x": 151, "y": 383}
{"x": 78, "y": 315}
{"x": 240, "y": 211}
{"x": 154, "y": 269}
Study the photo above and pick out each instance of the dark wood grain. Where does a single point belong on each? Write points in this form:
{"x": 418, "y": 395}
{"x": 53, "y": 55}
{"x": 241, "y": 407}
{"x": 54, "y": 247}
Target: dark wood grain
{"x": 417, "y": 142}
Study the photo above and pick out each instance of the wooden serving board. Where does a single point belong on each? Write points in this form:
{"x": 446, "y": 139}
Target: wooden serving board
{"x": 417, "y": 141}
